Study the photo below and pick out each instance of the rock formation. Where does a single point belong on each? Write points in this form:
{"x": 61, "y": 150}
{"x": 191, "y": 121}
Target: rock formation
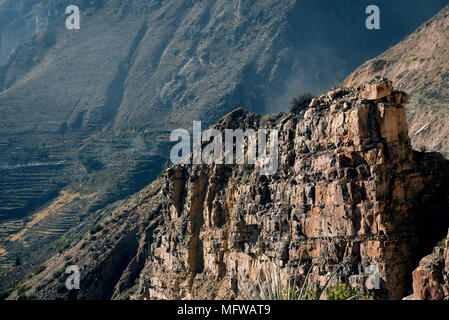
{"x": 350, "y": 200}
{"x": 94, "y": 107}
{"x": 349, "y": 193}
{"x": 431, "y": 278}
{"x": 419, "y": 65}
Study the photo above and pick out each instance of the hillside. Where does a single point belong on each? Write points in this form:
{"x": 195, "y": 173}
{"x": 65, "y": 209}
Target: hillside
{"x": 85, "y": 115}
{"x": 349, "y": 194}
{"x": 19, "y": 20}
{"x": 420, "y": 65}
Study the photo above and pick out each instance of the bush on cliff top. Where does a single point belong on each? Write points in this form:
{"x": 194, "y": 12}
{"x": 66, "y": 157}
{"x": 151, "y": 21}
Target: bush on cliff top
{"x": 300, "y": 102}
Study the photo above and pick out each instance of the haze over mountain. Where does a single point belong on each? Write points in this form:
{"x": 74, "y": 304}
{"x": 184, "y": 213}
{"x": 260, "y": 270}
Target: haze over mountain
{"x": 85, "y": 114}
{"x": 18, "y": 22}
{"x": 420, "y": 65}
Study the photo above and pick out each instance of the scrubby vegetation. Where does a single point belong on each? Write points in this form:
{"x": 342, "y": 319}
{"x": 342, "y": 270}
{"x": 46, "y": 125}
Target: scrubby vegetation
{"x": 62, "y": 245}
{"x": 95, "y": 229}
{"x": 342, "y": 291}
{"x": 22, "y": 289}
{"x": 161, "y": 174}
{"x": 343, "y": 87}
{"x": 442, "y": 243}
{"x": 39, "y": 269}
{"x": 300, "y": 102}
{"x": 90, "y": 163}
{"x": 269, "y": 287}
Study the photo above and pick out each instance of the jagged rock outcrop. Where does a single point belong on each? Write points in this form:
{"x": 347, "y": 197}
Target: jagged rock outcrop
{"x": 419, "y": 64}
{"x": 349, "y": 196}
{"x": 431, "y": 278}
{"x": 102, "y": 99}
{"x": 349, "y": 192}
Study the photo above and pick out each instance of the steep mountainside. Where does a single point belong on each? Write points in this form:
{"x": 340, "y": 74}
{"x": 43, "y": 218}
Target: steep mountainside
{"x": 19, "y": 20}
{"x": 85, "y": 114}
{"x": 349, "y": 196}
{"x": 420, "y": 65}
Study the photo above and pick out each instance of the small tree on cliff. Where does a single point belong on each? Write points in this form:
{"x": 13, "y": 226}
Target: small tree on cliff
{"x": 300, "y": 102}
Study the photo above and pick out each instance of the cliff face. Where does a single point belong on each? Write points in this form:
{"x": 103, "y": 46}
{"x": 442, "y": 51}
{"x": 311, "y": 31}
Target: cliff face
{"x": 94, "y": 106}
{"x": 350, "y": 195}
{"x": 431, "y": 278}
{"x": 419, "y": 65}
{"x": 349, "y": 192}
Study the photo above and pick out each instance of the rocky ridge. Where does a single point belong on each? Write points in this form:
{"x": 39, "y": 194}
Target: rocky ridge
{"x": 431, "y": 278}
{"x": 95, "y": 106}
{"x": 349, "y": 194}
{"x": 419, "y": 65}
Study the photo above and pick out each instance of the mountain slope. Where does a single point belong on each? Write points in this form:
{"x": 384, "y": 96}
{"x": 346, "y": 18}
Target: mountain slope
{"x": 19, "y": 20}
{"x": 349, "y": 195}
{"x": 419, "y": 64}
{"x": 85, "y": 114}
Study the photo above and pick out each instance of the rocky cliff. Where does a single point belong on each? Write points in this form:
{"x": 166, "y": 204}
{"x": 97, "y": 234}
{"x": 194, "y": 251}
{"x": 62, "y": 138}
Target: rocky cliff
{"x": 419, "y": 65}
{"x": 349, "y": 192}
{"x": 350, "y": 196}
{"x": 431, "y": 278}
{"x": 93, "y": 107}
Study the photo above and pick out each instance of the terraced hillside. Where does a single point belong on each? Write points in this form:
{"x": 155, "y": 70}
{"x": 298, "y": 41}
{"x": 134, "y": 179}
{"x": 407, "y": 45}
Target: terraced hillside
{"x": 96, "y": 105}
{"x": 23, "y": 187}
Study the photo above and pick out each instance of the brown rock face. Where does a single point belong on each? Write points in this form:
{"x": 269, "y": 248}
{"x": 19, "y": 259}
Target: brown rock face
{"x": 376, "y": 91}
{"x": 350, "y": 200}
{"x": 349, "y": 196}
{"x": 431, "y": 278}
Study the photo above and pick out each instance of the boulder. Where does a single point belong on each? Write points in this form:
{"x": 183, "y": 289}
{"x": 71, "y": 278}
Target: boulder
{"x": 376, "y": 91}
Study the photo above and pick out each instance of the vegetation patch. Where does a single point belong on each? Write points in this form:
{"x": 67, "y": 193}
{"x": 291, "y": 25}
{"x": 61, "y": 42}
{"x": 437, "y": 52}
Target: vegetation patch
{"x": 442, "y": 243}
{"x": 342, "y": 291}
{"x": 22, "y": 289}
{"x": 39, "y": 269}
{"x": 300, "y": 102}
{"x": 62, "y": 245}
{"x": 90, "y": 163}
{"x": 269, "y": 287}
{"x": 97, "y": 228}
